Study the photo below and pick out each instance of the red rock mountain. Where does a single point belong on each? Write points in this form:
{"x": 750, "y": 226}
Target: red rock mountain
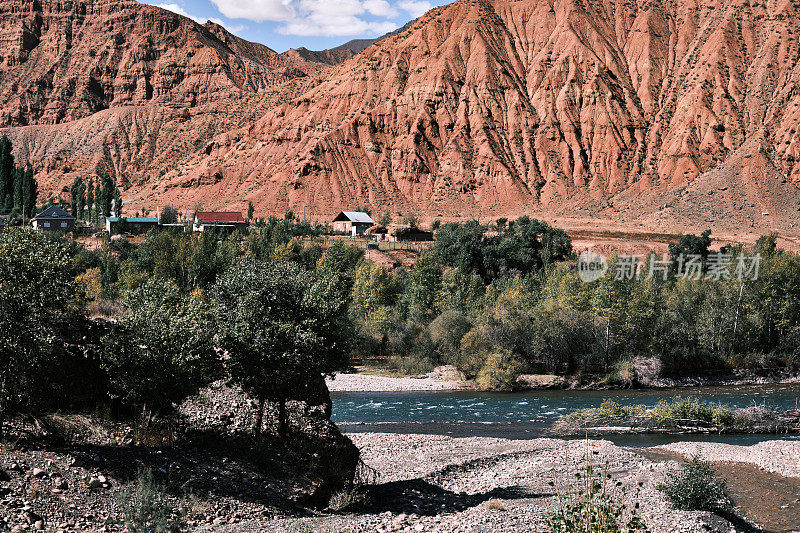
{"x": 115, "y": 83}
{"x": 661, "y": 111}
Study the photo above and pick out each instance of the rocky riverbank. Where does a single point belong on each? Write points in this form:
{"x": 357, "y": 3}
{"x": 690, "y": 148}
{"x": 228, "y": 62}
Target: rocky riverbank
{"x": 443, "y": 378}
{"x": 449, "y": 378}
{"x": 444, "y": 484}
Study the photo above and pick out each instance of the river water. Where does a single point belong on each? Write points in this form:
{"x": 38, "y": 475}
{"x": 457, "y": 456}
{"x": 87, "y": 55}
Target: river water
{"x": 529, "y": 414}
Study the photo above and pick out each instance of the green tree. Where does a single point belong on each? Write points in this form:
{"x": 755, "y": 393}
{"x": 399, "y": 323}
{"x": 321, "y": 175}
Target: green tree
{"x": 77, "y": 194}
{"x": 422, "y": 287}
{"x": 161, "y": 350}
{"x": 342, "y": 259}
{"x": 117, "y": 202}
{"x": 30, "y": 193}
{"x": 106, "y": 194}
{"x": 38, "y": 312}
{"x": 7, "y": 171}
{"x": 250, "y": 211}
{"x": 282, "y": 328}
{"x": 90, "y": 199}
{"x": 98, "y": 201}
{"x": 169, "y": 215}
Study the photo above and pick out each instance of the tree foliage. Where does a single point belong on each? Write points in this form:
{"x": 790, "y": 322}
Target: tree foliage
{"x": 282, "y": 327}
{"x": 162, "y": 348}
{"x": 38, "y": 314}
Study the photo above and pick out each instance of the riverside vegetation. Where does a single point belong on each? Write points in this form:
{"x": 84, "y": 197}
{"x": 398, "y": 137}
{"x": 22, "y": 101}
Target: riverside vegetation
{"x": 135, "y": 331}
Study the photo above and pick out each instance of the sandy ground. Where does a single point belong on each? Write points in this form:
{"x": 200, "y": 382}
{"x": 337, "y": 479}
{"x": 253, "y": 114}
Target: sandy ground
{"x": 777, "y": 456}
{"x": 372, "y": 383}
{"x": 477, "y": 484}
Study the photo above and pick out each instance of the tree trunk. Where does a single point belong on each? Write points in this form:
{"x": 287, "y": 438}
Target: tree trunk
{"x": 259, "y": 417}
{"x": 282, "y": 418}
{"x": 2, "y": 421}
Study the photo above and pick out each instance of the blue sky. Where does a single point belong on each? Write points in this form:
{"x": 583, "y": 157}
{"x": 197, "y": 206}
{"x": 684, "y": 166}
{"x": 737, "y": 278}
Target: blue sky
{"x": 315, "y": 24}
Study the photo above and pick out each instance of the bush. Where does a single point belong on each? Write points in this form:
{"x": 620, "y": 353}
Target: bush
{"x": 692, "y": 409}
{"x": 499, "y": 373}
{"x": 608, "y": 411}
{"x": 147, "y": 509}
{"x": 472, "y": 353}
{"x": 446, "y": 332}
{"x": 695, "y": 487}
{"x": 590, "y": 508}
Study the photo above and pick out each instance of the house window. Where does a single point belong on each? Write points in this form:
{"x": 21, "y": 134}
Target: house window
{"x": 46, "y": 224}
{"x": 63, "y": 224}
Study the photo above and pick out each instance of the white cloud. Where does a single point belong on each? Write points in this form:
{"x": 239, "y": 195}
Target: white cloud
{"x": 177, "y": 8}
{"x": 256, "y": 10}
{"x": 380, "y": 8}
{"x": 316, "y": 17}
{"x": 416, "y": 8}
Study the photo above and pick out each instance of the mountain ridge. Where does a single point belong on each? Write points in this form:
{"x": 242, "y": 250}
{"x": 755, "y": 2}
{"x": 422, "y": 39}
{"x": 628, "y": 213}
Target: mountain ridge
{"x": 482, "y": 108}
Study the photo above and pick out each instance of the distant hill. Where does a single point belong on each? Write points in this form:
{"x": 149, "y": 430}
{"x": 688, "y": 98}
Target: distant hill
{"x": 359, "y": 45}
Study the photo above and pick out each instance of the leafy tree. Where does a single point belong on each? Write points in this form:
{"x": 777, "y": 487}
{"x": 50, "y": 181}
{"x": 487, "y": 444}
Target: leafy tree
{"x": 422, "y": 288}
{"x": 30, "y": 193}
{"x": 38, "y": 312}
{"x": 460, "y": 246}
{"x": 161, "y": 350}
{"x": 77, "y": 194}
{"x": 7, "y": 170}
{"x": 373, "y": 291}
{"x": 98, "y": 201}
{"x": 341, "y": 259}
{"x": 691, "y": 245}
{"x": 250, "y": 210}
{"x": 106, "y": 194}
{"x": 117, "y": 202}
{"x": 282, "y": 328}
{"x": 169, "y": 215}
{"x": 90, "y": 201}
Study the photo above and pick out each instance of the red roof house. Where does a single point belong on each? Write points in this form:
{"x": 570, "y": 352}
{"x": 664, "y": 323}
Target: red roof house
{"x": 220, "y": 219}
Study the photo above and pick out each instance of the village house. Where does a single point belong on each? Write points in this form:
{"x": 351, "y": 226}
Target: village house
{"x": 54, "y": 219}
{"x": 132, "y": 225}
{"x": 352, "y": 222}
{"x": 229, "y": 220}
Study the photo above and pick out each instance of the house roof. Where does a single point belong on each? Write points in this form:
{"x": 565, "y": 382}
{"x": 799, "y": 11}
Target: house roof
{"x": 354, "y": 216}
{"x": 219, "y": 217}
{"x": 134, "y": 220}
{"x": 53, "y": 213}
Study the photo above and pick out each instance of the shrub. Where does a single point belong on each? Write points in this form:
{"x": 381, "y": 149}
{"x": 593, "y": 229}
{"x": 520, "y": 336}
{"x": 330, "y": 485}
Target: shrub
{"x": 609, "y": 410}
{"x": 692, "y": 409}
{"x": 146, "y": 508}
{"x": 472, "y": 353}
{"x": 695, "y": 487}
{"x": 90, "y": 284}
{"x": 499, "y": 373}
{"x": 39, "y": 316}
{"x": 590, "y": 507}
{"x": 446, "y": 332}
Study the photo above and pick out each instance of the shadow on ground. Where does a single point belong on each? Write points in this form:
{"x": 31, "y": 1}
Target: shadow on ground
{"x": 424, "y": 498}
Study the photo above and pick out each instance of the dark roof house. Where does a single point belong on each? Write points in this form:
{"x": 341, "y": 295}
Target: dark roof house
{"x": 54, "y": 219}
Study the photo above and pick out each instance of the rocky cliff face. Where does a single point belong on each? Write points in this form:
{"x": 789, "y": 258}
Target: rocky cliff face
{"x": 64, "y": 61}
{"x": 500, "y": 106}
{"x": 482, "y": 107}
{"x": 129, "y": 87}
